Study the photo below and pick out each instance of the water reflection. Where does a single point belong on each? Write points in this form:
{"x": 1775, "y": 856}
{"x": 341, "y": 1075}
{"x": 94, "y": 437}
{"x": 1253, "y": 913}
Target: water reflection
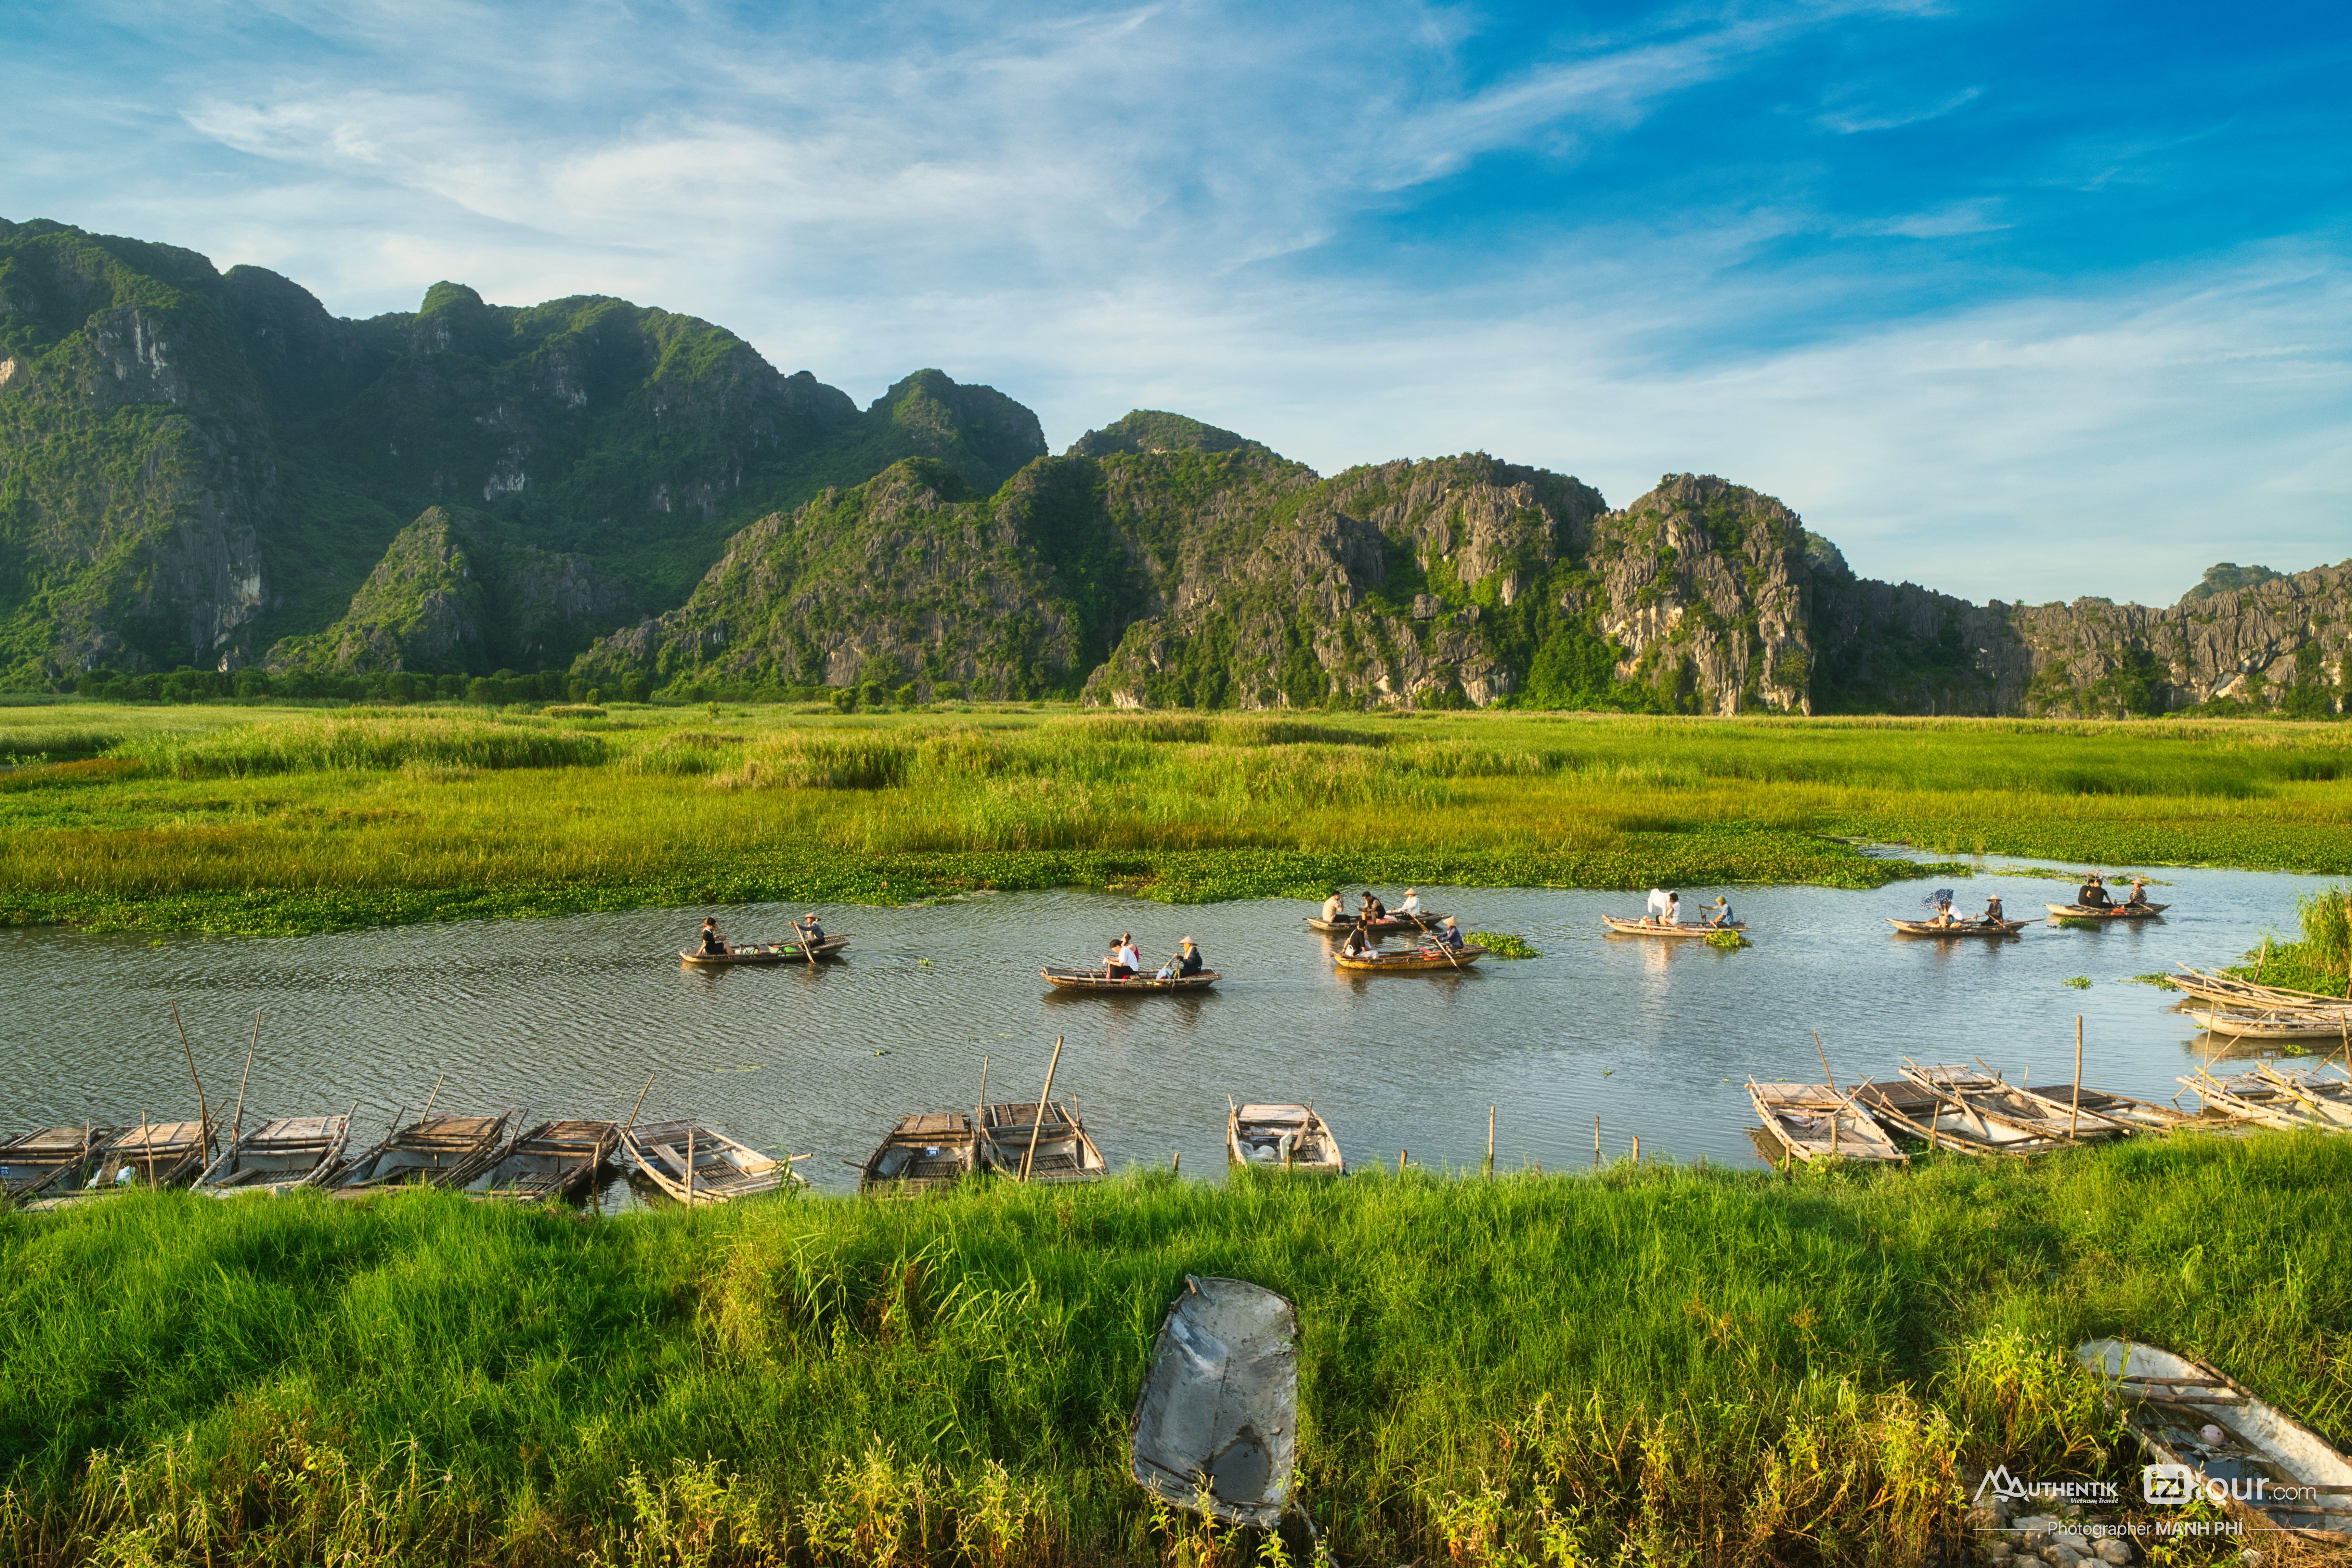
{"x": 566, "y": 1017}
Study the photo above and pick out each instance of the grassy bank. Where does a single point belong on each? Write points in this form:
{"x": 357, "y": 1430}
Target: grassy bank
{"x": 283, "y": 820}
{"x": 1648, "y": 1365}
{"x": 2321, "y": 960}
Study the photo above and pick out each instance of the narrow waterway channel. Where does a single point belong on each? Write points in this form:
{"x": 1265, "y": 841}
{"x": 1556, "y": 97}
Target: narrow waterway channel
{"x": 1656, "y": 1039}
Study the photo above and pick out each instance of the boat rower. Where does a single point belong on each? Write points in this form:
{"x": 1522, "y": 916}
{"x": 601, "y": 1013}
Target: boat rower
{"x": 811, "y": 932}
{"x": 1992, "y": 915}
{"x": 1190, "y": 963}
{"x": 713, "y": 945}
{"x": 2139, "y": 900}
{"x": 2092, "y": 895}
{"x": 1721, "y": 914}
{"x": 1449, "y": 935}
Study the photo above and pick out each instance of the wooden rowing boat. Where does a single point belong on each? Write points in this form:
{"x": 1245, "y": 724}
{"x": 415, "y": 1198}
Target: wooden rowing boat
{"x": 2282, "y": 1026}
{"x": 1621, "y": 926}
{"x": 923, "y": 1153}
{"x": 2188, "y": 1414}
{"x": 1095, "y": 980}
{"x": 1943, "y": 1124}
{"x": 1215, "y": 1431}
{"x": 1411, "y": 961}
{"x": 1282, "y": 1137}
{"x": 291, "y": 1152}
{"x": 1387, "y": 925}
{"x": 2212, "y": 985}
{"x": 765, "y": 952}
{"x": 663, "y": 1153}
{"x": 161, "y": 1155}
{"x": 2249, "y": 1097}
{"x": 1966, "y": 927}
{"x": 1995, "y": 1100}
{"x": 2112, "y": 913}
{"x": 2142, "y": 1115}
{"x": 2321, "y": 1092}
{"x": 1814, "y": 1122}
{"x": 50, "y": 1158}
{"x": 445, "y": 1152}
{"x": 553, "y": 1160}
{"x": 1065, "y": 1151}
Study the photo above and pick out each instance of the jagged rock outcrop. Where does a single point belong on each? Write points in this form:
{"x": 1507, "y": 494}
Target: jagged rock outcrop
{"x": 196, "y": 466}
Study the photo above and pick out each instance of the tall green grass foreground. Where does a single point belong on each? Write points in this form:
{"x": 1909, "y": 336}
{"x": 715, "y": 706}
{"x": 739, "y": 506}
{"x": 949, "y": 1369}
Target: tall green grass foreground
{"x": 1650, "y": 1365}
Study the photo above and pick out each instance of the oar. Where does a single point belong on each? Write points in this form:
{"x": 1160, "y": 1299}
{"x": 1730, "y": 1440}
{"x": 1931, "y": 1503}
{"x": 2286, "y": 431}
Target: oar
{"x": 1426, "y": 931}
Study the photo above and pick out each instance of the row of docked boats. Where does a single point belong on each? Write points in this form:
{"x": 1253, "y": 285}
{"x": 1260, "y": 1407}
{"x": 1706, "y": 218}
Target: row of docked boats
{"x": 502, "y": 1157}
{"x": 1047, "y": 1141}
{"x": 2241, "y": 1009}
{"x": 1975, "y": 1110}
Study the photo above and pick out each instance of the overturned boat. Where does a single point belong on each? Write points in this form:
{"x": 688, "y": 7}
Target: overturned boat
{"x": 1217, "y": 1428}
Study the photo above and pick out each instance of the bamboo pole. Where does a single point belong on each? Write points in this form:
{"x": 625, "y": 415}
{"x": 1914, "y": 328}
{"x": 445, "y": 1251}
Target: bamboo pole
{"x": 640, "y": 1105}
{"x": 1399, "y": 1162}
{"x": 238, "y": 1125}
{"x": 2075, "y": 1117}
{"x": 436, "y": 1094}
{"x": 1596, "y": 1141}
{"x": 1037, "y": 1128}
{"x": 204, "y": 1118}
{"x": 1637, "y": 1144}
{"x": 147, "y": 1147}
{"x": 1827, "y": 1077}
{"x": 1175, "y": 1161}
{"x": 1490, "y": 1142}
{"x": 979, "y": 1110}
{"x": 690, "y": 1131}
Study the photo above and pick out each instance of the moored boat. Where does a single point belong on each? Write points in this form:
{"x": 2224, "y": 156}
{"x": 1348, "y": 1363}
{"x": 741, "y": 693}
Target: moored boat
{"x": 2189, "y": 1415}
{"x": 755, "y": 952}
{"x": 1095, "y": 980}
{"x": 2263, "y": 1098}
{"x": 1412, "y": 960}
{"x": 2281, "y": 1027}
{"x": 1282, "y": 1137}
{"x": 290, "y": 1151}
{"x": 1621, "y": 926}
{"x": 158, "y": 1154}
{"x": 2322, "y": 1092}
{"x": 1942, "y": 1124}
{"x": 2248, "y": 995}
{"x": 722, "y": 1170}
{"x": 441, "y": 1151}
{"x": 2144, "y": 1115}
{"x": 50, "y": 1158}
{"x": 1013, "y": 1141}
{"x": 1994, "y": 1099}
{"x": 2112, "y": 913}
{"x": 1814, "y": 1122}
{"x": 922, "y": 1154}
{"x": 1964, "y": 928}
{"x": 1215, "y": 1430}
{"x": 553, "y": 1160}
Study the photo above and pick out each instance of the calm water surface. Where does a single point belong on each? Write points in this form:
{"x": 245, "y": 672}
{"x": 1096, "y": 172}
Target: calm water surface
{"x": 567, "y": 1017}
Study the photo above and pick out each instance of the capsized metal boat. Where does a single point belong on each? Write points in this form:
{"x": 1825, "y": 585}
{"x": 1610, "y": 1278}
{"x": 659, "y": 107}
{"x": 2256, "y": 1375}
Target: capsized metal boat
{"x": 1216, "y": 1427}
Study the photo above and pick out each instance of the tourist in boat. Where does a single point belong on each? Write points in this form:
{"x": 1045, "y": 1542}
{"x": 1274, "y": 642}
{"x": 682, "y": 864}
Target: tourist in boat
{"x": 1673, "y": 914}
{"x": 1411, "y": 908}
{"x": 1116, "y": 966}
{"x": 812, "y": 932}
{"x": 1945, "y": 914}
{"x": 1721, "y": 914}
{"x": 1656, "y": 912}
{"x": 1129, "y": 953}
{"x": 1334, "y": 909}
{"x": 713, "y": 944}
{"x": 1373, "y": 910}
{"x": 1189, "y": 962}
{"x": 1358, "y": 944}
{"x": 2092, "y": 895}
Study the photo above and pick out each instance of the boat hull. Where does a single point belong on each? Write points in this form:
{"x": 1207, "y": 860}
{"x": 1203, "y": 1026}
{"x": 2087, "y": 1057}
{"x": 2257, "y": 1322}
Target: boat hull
{"x": 1289, "y": 1138}
{"x": 2113, "y": 912}
{"x": 1813, "y": 1122}
{"x": 1455, "y": 962}
{"x": 1094, "y": 981}
{"x": 756, "y": 954}
{"x": 1215, "y": 1430}
{"x": 1973, "y": 927}
{"x": 1388, "y": 925}
{"x": 1620, "y": 926}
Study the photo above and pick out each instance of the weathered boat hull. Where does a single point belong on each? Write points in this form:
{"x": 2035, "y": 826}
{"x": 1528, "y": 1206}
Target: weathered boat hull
{"x": 447, "y": 1151}
{"x": 663, "y": 1153}
{"x": 554, "y": 1162}
{"x": 2170, "y": 1403}
{"x": 2112, "y": 913}
{"x": 50, "y": 1159}
{"x": 1620, "y": 926}
{"x": 2237, "y": 1025}
{"x": 1215, "y": 1430}
{"x": 1291, "y": 1138}
{"x": 1994, "y": 1101}
{"x": 1814, "y": 1122}
{"x": 923, "y": 1153}
{"x": 1063, "y": 1149}
{"x": 1094, "y": 982}
{"x": 1389, "y": 925}
{"x": 277, "y": 1156}
{"x": 764, "y": 952}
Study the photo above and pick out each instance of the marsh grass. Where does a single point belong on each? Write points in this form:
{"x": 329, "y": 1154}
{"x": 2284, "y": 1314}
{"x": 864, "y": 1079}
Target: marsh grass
{"x": 1651, "y": 1365}
{"x": 2322, "y": 960}
{"x": 277, "y": 820}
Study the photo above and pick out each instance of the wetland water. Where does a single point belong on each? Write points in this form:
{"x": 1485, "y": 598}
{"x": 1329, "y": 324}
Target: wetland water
{"x": 1658, "y": 1038}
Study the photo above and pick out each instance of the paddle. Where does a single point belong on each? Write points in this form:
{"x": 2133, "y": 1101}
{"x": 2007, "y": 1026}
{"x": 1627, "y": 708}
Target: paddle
{"x": 1445, "y": 947}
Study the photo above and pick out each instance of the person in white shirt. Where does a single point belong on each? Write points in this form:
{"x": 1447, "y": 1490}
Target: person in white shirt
{"x": 1412, "y": 905}
{"x": 1673, "y": 909}
{"x": 1128, "y": 955}
{"x": 1332, "y": 909}
{"x": 1657, "y": 910}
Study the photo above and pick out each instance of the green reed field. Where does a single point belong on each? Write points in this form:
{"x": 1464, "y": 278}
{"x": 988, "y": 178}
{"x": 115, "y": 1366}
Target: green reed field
{"x": 1644, "y": 1365}
{"x": 278, "y": 820}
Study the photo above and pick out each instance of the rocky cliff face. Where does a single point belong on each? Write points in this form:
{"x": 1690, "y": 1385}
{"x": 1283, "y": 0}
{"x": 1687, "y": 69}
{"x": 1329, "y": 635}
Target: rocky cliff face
{"x": 194, "y": 467}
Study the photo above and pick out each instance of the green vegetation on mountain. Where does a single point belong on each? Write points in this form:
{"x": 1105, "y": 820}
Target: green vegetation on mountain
{"x": 1646, "y": 1364}
{"x": 196, "y": 465}
{"x": 275, "y": 821}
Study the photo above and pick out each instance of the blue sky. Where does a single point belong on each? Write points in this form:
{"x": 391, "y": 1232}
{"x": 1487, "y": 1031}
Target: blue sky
{"x": 2022, "y": 301}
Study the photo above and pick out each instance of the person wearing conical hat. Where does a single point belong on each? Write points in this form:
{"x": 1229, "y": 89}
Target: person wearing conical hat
{"x": 1412, "y": 904}
{"x": 1449, "y": 935}
{"x": 1191, "y": 963}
